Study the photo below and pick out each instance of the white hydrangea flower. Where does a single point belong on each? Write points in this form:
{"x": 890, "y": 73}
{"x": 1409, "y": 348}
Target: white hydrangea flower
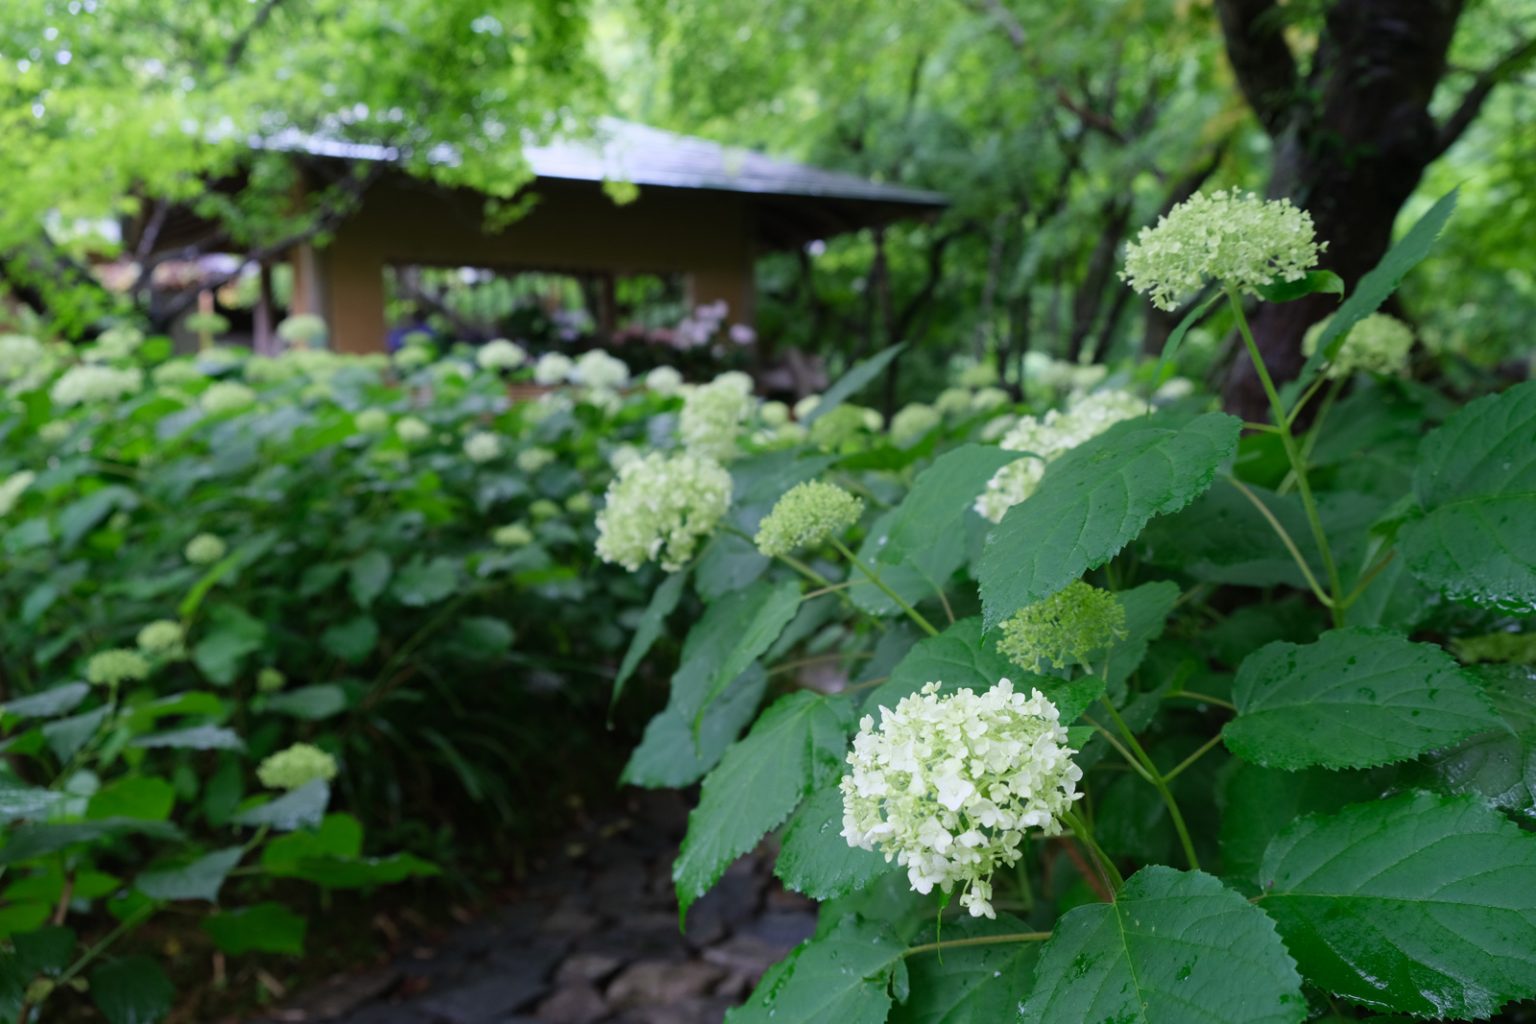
{"x": 19, "y": 355}
{"x": 226, "y": 396}
{"x": 205, "y": 549}
{"x": 412, "y": 430}
{"x": 600, "y": 371}
{"x": 949, "y": 786}
{"x": 660, "y": 507}
{"x": 179, "y": 372}
{"x": 988, "y": 399}
{"x": 997, "y": 426}
{"x": 1377, "y": 344}
{"x": 163, "y": 637}
{"x": 500, "y": 354}
{"x": 773, "y": 414}
{"x": 1237, "y": 238}
{"x": 12, "y": 488}
{"x": 54, "y": 431}
{"x": 109, "y": 668}
{"x": 89, "y": 384}
{"x": 413, "y": 357}
{"x": 531, "y": 460}
{"x": 118, "y": 342}
{"x": 623, "y": 455}
{"x": 304, "y": 330}
{"x": 665, "y": 381}
{"x": 1046, "y": 440}
{"x": 482, "y": 446}
{"x": 913, "y": 422}
{"x": 713, "y": 414}
{"x": 953, "y": 402}
{"x": 806, "y": 406}
{"x": 372, "y": 421}
{"x": 977, "y": 375}
{"x": 552, "y": 368}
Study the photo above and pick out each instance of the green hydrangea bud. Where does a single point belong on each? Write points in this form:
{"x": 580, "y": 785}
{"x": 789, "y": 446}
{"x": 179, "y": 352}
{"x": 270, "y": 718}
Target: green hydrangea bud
{"x": 913, "y": 422}
{"x": 205, "y": 549}
{"x": 163, "y": 637}
{"x": 807, "y": 514}
{"x": 412, "y": 430}
{"x": 109, "y": 668}
{"x": 512, "y": 535}
{"x": 531, "y": 460}
{"x": 1509, "y": 648}
{"x": 226, "y": 396}
{"x": 1065, "y": 629}
{"x": 304, "y": 330}
{"x": 1237, "y": 238}
{"x": 270, "y": 680}
{"x": 297, "y": 766}
{"x": 1377, "y": 344}
{"x": 372, "y": 421}
{"x": 543, "y": 509}
{"x": 579, "y": 503}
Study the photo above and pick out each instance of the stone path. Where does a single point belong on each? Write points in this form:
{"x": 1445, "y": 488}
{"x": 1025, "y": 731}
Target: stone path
{"x": 592, "y": 938}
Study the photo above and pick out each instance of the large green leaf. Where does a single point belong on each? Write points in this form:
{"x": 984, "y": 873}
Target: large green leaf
{"x": 422, "y": 581}
{"x": 136, "y": 796}
{"x": 1356, "y": 698}
{"x": 940, "y": 498}
{"x": 1499, "y": 764}
{"x": 852, "y": 382}
{"x": 673, "y": 753}
{"x": 816, "y": 860}
{"x": 797, "y": 745}
{"x": 1147, "y": 608}
{"x": 959, "y": 656}
{"x": 231, "y": 635}
{"x": 302, "y": 807}
{"x": 35, "y": 839}
{"x": 263, "y": 928}
{"x": 351, "y": 640}
{"x": 843, "y": 977}
{"x": 1477, "y": 483}
{"x": 1375, "y": 288}
{"x": 133, "y": 990}
{"x": 194, "y": 737}
{"x": 200, "y": 880}
{"x": 964, "y": 984}
{"x": 19, "y": 800}
{"x": 652, "y": 621}
{"x": 731, "y": 635}
{"x": 919, "y": 576}
{"x": 311, "y": 703}
{"x": 1095, "y": 499}
{"x": 368, "y": 574}
{"x": 48, "y": 703}
{"x": 1174, "y": 947}
{"x": 1419, "y": 904}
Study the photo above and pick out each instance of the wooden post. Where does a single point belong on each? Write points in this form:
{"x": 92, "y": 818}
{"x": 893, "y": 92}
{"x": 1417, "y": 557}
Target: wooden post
{"x": 264, "y": 340}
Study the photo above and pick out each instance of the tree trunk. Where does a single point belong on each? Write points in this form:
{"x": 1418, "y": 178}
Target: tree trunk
{"x": 1351, "y": 155}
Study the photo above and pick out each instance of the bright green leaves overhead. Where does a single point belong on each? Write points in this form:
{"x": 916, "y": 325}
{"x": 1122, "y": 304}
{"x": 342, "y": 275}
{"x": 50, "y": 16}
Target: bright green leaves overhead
{"x": 1095, "y": 499}
{"x": 796, "y": 746}
{"x": 1356, "y": 698}
{"x": 1174, "y": 947}
{"x": 1419, "y": 904}
{"x": 1476, "y": 480}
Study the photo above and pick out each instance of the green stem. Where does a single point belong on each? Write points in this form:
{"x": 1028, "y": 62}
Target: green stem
{"x": 1204, "y": 698}
{"x": 1292, "y": 453}
{"x": 1192, "y": 758}
{"x": 1285, "y": 538}
{"x": 1158, "y": 782}
{"x": 874, "y": 577}
{"x": 1370, "y": 575}
{"x": 977, "y": 940}
{"x": 1109, "y": 738}
{"x": 124, "y": 927}
{"x": 1085, "y": 836}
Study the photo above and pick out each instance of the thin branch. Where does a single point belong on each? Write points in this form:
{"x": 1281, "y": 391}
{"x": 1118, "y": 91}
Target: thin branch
{"x": 1472, "y": 103}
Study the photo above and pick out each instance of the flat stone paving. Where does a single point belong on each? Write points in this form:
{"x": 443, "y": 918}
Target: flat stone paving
{"x": 591, "y": 939}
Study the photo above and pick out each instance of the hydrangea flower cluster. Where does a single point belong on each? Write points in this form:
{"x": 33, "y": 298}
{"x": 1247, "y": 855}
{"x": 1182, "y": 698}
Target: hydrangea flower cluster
{"x": 660, "y": 507}
{"x": 841, "y": 427}
{"x": 948, "y": 786}
{"x": 988, "y": 399}
{"x": 1065, "y": 629}
{"x": 411, "y": 430}
{"x": 600, "y": 371}
{"x": 805, "y": 515}
{"x": 120, "y": 665}
{"x": 13, "y": 487}
{"x": 205, "y": 549}
{"x": 118, "y": 342}
{"x": 226, "y": 396}
{"x": 531, "y": 460}
{"x": 298, "y": 765}
{"x": 664, "y": 381}
{"x": 713, "y": 414}
{"x": 1047, "y": 439}
{"x": 304, "y": 330}
{"x": 1377, "y": 344}
{"x": 1237, "y": 238}
{"x": 372, "y": 421}
{"x": 913, "y": 422}
{"x": 552, "y": 368}
{"x": 512, "y": 535}
{"x": 162, "y": 638}
{"x": 87, "y": 384}
{"x": 953, "y": 402}
{"x": 270, "y": 680}
{"x": 500, "y": 354}
{"x": 19, "y": 354}
{"x": 482, "y": 446}
{"x": 1511, "y": 648}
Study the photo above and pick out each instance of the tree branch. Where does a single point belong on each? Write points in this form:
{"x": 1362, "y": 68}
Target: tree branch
{"x": 1260, "y": 58}
{"x": 1472, "y": 103}
{"x": 243, "y": 40}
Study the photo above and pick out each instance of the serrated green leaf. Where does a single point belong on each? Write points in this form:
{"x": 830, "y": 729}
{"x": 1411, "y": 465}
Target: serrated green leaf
{"x": 732, "y": 634}
{"x": 66, "y": 736}
{"x": 422, "y": 582}
{"x": 19, "y": 800}
{"x": 143, "y": 797}
{"x": 48, "y": 703}
{"x": 652, "y": 621}
{"x": 200, "y": 880}
{"x": 940, "y": 498}
{"x": 919, "y": 576}
{"x": 311, "y": 703}
{"x": 1313, "y": 282}
{"x": 35, "y": 839}
{"x": 263, "y": 928}
{"x": 196, "y": 737}
{"x": 852, "y": 382}
{"x": 1418, "y": 904}
{"x": 1354, "y": 699}
{"x": 231, "y": 635}
{"x": 844, "y": 976}
{"x": 133, "y": 990}
{"x": 302, "y": 807}
{"x": 816, "y": 860}
{"x": 970, "y": 984}
{"x": 1499, "y": 764}
{"x": 1095, "y": 499}
{"x": 1374, "y": 289}
{"x": 959, "y": 656}
{"x": 1476, "y": 480}
{"x": 352, "y": 640}
{"x": 797, "y": 745}
{"x": 367, "y": 576}
{"x": 672, "y": 754}
{"x": 1174, "y": 947}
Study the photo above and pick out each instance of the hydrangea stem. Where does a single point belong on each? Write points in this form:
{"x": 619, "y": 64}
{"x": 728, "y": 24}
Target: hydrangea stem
{"x": 1085, "y": 836}
{"x": 977, "y": 940}
{"x": 874, "y": 577}
{"x": 1293, "y": 454}
{"x": 1158, "y": 782}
